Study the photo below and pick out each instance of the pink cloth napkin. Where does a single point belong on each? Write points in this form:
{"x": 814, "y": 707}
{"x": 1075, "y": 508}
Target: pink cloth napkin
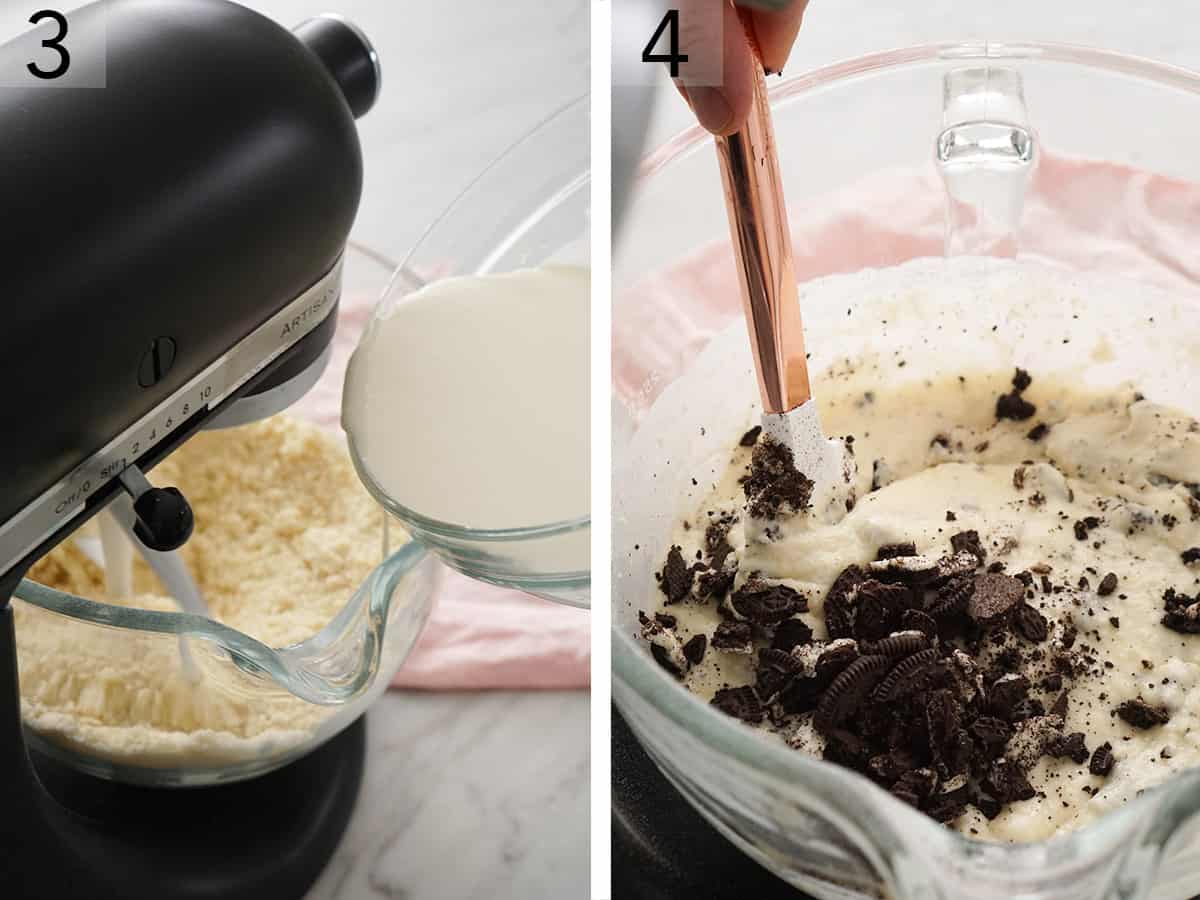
{"x": 1093, "y": 216}
{"x": 478, "y": 636}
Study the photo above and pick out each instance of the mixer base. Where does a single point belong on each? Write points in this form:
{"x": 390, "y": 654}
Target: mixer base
{"x": 662, "y": 848}
{"x": 262, "y": 839}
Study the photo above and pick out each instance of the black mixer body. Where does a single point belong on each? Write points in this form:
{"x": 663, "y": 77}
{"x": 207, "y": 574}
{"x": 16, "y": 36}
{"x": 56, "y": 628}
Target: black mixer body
{"x": 172, "y": 246}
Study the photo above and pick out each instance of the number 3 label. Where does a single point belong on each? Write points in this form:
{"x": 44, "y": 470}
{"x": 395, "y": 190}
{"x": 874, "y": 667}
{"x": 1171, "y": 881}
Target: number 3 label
{"x": 53, "y": 43}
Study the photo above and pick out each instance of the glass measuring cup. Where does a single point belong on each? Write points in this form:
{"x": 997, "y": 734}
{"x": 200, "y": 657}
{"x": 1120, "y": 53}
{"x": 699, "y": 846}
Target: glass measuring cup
{"x": 485, "y": 231}
{"x": 904, "y": 123}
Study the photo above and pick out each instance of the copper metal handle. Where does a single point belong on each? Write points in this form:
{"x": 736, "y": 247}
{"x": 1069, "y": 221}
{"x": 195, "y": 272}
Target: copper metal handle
{"x": 763, "y": 245}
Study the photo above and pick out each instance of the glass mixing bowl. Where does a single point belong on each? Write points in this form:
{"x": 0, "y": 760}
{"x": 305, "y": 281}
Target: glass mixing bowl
{"x": 991, "y": 150}
{"x": 274, "y": 703}
{"x": 529, "y": 207}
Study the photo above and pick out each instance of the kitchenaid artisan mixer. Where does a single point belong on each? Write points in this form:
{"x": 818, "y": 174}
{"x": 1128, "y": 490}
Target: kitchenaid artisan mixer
{"x": 172, "y": 262}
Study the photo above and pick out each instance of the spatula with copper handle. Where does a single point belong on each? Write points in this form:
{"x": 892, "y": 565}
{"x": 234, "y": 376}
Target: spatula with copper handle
{"x": 763, "y": 247}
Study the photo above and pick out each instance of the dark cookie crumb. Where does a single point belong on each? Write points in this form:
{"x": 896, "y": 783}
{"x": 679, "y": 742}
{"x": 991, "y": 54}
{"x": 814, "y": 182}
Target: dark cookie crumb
{"x": 766, "y": 604}
{"x": 1030, "y": 624}
{"x": 741, "y": 703}
{"x": 1141, "y": 714}
{"x": 676, "y": 577}
{"x": 1102, "y": 760}
{"x": 995, "y": 599}
{"x": 790, "y": 634}
{"x": 694, "y": 649}
{"x": 1071, "y": 746}
{"x": 1012, "y": 405}
{"x": 663, "y": 658}
{"x": 775, "y": 486}
{"x": 1107, "y": 585}
{"x": 750, "y": 437}
{"x": 734, "y": 637}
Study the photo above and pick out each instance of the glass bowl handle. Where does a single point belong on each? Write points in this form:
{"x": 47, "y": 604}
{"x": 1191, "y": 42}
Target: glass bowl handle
{"x": 985, "y": 154}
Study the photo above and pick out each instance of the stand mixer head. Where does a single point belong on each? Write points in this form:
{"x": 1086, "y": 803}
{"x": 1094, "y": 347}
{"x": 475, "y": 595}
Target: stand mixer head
{"x": 175, "y": 265}
{"x": 198, "y": 215}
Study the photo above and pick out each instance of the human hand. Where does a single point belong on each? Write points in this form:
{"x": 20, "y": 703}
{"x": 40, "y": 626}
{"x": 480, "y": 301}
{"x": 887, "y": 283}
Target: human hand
{"x": 723, "y": 109}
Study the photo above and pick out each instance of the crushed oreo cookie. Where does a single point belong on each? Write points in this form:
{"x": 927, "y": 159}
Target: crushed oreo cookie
{"x": 1142, "y": 715}
{"x": 1102, "y": 760}
{"x": 677, "y": 576}
{"x": 750, "y": 437}
{"x": 766, "y": 605}
{"x": 774, "y": 486}
{"x": 1182, "y": 612}
{"x": 1012, "y": 405}
{"x": 741, "y": 703}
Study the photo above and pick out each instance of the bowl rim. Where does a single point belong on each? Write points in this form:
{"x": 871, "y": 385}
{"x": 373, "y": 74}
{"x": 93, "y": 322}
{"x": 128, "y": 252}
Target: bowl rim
{"x": 635, "y": 670}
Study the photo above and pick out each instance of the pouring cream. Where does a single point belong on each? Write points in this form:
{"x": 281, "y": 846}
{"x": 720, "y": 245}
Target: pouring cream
{"x": 468, "y": 401}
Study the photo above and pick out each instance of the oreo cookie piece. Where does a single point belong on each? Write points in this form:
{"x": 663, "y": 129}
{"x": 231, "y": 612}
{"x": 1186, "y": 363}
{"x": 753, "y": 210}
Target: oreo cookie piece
{"x": 891, "y": 551}
{"x": 839, "y": 609}
{"x": 1012, "y": 405}
{"x": 1102, "y": 760}
{"x": 1142, "y": 715}
{"x": 766, "y": 604}
{"x": 774, "y": 486}
{"x": 776, "y": 669}
{"x": 911, "y": 675}
{"x": 992, "y": 732}
{"x": 995, "y": 599}
{"x": 676, "y": 577}
{"x": 741, "y": 703}
{"x": 968, "y": 541}
{"x": 952, "y": 598}
{"x": 898, "y": 645}
{"x": 847, "y": 692}
{"x": 1182, "y": 612}
{"x": 750, "y": 437}
{"x": 835, "y": 659}
{"x": 733, "y": 637}
{"x": 664, "y": 658}
{"x": 799, "y": 696}
{"x": 917, "y": 620}
{"x": 716, "y": 582}
{"x": 1071, "y": 746}
{"x": 910, "y": 570}
{"x": 1007, "y": 783}
{"x": 877, "y": 609}
{"x": 1005, "y": 694}
{"x": 694, "y": 649}
{"x": 1030, "y": 624}
{"x": 791, "y": 633}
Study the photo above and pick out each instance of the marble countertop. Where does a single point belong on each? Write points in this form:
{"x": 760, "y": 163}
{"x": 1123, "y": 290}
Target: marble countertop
{"x": 469, "y": 796}
{"x": 481, "y": 795}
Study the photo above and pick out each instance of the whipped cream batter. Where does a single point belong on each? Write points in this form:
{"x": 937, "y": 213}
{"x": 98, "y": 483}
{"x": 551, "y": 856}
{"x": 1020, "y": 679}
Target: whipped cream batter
{"x": 1088, "y": 494}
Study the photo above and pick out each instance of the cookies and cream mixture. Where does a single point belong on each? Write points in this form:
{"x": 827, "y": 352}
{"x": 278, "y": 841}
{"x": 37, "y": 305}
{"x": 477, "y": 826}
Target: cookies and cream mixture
{"x": 998, "y": 620}
{"x": 284, "y": 535}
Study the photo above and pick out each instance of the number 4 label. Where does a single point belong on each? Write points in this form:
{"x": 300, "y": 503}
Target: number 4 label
{"x": 669, "y": 23}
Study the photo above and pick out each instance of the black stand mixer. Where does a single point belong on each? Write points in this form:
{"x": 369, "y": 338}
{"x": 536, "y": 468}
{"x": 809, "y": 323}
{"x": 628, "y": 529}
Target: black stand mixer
{"x": 171, "y": 250}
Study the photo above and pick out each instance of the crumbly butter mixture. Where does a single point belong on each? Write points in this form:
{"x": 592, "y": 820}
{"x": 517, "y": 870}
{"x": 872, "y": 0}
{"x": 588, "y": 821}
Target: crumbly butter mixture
{"x": 1084, "y": 486}
{"x": 284, "y": 535}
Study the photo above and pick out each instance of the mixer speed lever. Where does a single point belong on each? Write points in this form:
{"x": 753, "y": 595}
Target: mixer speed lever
{"x": 164, "y": 518}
